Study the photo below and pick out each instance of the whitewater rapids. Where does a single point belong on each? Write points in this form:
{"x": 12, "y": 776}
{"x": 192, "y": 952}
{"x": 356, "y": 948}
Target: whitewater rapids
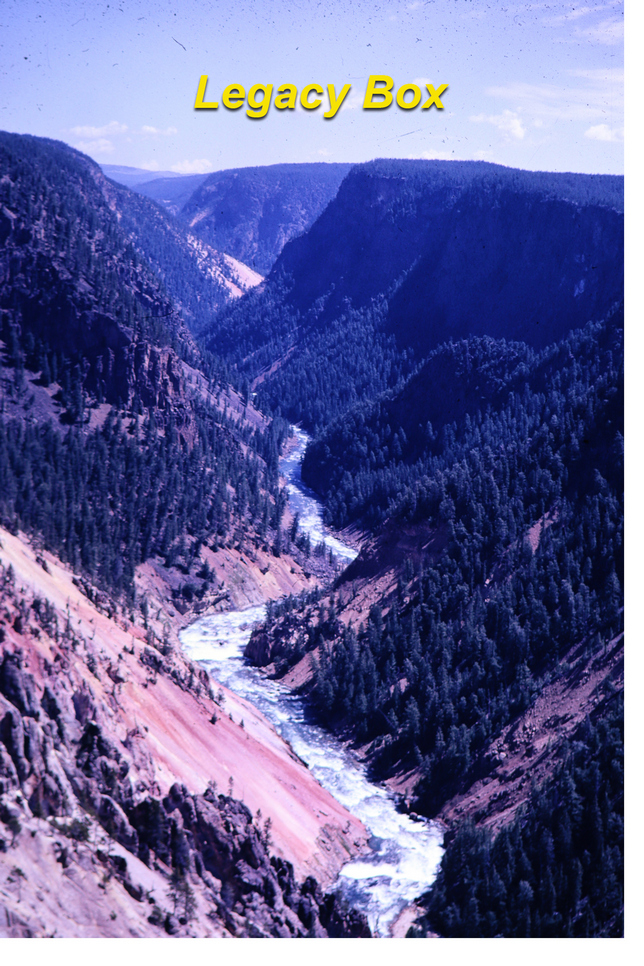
{"x": 405, "y": 853}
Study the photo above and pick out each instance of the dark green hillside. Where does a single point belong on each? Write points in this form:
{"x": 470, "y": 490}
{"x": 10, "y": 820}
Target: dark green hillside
{"x": 517, "y": 495}
{"x": 365, "y": 459}
{"x": 73, "y": 290}
{"x": 371, "y": 458}
{"x": 108, "y": 500}
{"x": 410, "y": 254}
{"x": 558, "y": 869}
{"x": 470, "y": 248}
{"x": 87, "y": 319}
{"x": 475, "y": 632}
{"x": 199, "y": 279}
{"x": 490, "y": 473}
{"x": 250, "y": 213}
{"x": 92, "y": 275}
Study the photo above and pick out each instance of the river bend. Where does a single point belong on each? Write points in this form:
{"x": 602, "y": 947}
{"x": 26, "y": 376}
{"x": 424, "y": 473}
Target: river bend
{"x": 405, "y": 853}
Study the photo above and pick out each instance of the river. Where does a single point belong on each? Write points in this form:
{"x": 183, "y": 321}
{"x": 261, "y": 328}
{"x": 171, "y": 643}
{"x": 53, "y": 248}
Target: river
{"x": 405, "y": 853}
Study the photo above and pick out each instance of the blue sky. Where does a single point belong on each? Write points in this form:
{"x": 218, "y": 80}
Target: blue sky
{"x": 531, "y": 85}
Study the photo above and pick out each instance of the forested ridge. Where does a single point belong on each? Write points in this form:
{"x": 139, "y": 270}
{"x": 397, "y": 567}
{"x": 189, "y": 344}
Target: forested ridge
{"x": 364, "y": 460}
{"x": 108, "y": 500}
{"x": 558, "y": 870}
{"x": 91, "y": 270}
{"x": 370, "y": 460}
{"x": 474, "y": 632}
{"x": 477, "y": 630}
{"x": 67, "y": 266}
{"x": 409, "y": 255}
{"x": 96, "y": 288}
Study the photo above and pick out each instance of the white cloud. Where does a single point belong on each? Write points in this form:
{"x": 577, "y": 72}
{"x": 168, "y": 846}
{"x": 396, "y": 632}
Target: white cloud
{"x": 199, "y": 166}
{"x": 608, "y": 32}
{"x": 432, "y": 156}
{"x": 422, "y": 82}
{"x": 602, "y": 132}
{"x": 602, "y": 75}
{"x": 108, "y": 130}
{"x": 353, "y": 101}
{"x": 100, "y": 146}
{"x": 101, "y": 140}
{"x": 597, "y": 97}
{"x": 508, "y": 123}
{"x": 573, "y": 14}
{"x": 148, "y": 129}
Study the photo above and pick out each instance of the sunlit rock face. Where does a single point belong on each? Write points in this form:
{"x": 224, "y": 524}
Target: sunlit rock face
{"x": 120, "y": 764}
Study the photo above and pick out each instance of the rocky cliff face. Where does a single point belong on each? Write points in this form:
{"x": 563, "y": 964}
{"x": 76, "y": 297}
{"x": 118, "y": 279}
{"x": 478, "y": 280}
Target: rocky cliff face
{"x": 464, "y": 248}
{"x": 111, "y": 750}
{"x": 251, "y": 213}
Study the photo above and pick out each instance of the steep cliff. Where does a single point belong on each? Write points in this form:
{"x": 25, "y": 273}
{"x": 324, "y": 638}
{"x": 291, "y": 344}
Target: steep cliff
{"x": 411, "y": 254}
{"x": 251, "y": 213}
{"x": 112, "y": 747}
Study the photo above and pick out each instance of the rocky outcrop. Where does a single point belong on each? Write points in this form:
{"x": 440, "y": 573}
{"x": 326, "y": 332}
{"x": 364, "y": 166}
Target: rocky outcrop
{"x": 86, "y": 751}
{"x": 259, "y": 649}
{"x": 209, "y": 838}
{"x": 216, "y": 837}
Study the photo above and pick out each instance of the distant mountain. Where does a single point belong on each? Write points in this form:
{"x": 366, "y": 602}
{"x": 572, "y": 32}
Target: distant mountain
{"x": 171, "y": 192}
{"x": 251, "y": 213}
{"x": 412, "y": 253}
{"x": 133, "y": 177}
{"x": 248, "y": 213}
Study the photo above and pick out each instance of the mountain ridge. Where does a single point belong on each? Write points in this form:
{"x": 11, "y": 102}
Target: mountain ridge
{"x": 409, "y": 254}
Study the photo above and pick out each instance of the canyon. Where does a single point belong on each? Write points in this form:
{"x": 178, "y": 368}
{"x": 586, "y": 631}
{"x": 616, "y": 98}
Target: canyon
{"x": 180, "y": 632}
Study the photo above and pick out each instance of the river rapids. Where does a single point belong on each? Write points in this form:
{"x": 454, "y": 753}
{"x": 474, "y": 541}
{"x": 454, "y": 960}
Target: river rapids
{"x": 405, "y": 853}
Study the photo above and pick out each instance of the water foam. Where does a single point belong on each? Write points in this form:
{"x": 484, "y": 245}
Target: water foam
{"x": 405, "y": 853}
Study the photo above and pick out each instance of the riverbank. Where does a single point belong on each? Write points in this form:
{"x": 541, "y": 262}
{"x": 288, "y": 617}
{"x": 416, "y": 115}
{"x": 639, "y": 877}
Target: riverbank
{"x": 404, "y": 854}
{"x": 114, "y": 719}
